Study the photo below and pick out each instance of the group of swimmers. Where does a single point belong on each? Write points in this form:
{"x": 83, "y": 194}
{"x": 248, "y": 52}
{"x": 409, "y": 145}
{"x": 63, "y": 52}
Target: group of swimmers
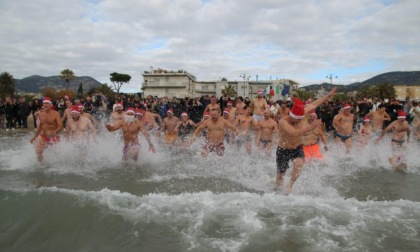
{"x": 297, "y": 139}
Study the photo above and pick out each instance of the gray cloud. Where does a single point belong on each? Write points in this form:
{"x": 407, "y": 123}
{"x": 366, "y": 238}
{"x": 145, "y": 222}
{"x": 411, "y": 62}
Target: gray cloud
{"x": 302, "y": 40}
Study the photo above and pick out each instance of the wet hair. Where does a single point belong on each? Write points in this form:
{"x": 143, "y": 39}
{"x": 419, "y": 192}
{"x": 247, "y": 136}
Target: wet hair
{"x": 381, "y": 106}
{"x": 240, "y": 98}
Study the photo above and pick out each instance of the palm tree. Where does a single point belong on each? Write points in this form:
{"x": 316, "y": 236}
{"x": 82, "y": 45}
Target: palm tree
{"x": 384, "y": 90}
{"x": 229, "y": 91}
{"x": 67, "y": 75}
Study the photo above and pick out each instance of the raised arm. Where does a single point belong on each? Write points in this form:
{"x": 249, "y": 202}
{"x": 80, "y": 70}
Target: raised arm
{"x": 320, "y": 101}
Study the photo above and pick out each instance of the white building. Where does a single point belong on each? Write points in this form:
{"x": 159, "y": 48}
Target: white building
{"x": 183, "y": 84}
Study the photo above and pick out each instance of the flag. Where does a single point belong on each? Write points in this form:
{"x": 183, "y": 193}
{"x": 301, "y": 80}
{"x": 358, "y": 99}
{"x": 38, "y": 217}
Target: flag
{"x": 271, "y": 91}
{"x": 278, "y": 89}
{"x": 285, "y": 91}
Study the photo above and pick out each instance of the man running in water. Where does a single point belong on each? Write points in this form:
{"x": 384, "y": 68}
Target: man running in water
{"x": 244, "y": 123}
{"x": 311, "y": 139}
{"x": 290, "y": 144}
{"x": 131, "y": 128}
{"x": 343, "y": 124}
{"x": 258, "y": 105}
{"x": 400, "y": 138}
{"x": 168, "y": 127}
{"x": 48, "y": 130}
{"x": 216, "y": 127}
{"x": 378, "y": 118}
{"x": 264, "y": 133}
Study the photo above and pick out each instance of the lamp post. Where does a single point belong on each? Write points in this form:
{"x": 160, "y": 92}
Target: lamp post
{"x": 330, "y": 76}
{"x": 245, "y": 78}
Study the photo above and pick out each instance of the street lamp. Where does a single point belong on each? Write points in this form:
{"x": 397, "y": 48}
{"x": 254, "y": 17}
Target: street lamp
{"x": 330, "y": 76}
{"x": 245, "y": 77}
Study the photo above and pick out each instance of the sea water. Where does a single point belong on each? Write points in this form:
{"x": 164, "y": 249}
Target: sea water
{"x": 178, "y": 201}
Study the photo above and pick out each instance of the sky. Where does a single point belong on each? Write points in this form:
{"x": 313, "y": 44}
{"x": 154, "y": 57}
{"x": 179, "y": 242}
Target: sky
{"x": 303, "y": 40}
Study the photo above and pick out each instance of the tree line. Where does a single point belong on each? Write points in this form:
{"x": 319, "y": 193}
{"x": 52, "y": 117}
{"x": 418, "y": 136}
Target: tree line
{"x": 7, "y": 85}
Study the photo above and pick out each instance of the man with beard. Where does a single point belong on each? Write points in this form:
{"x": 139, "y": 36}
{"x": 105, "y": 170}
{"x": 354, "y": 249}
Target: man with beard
{"x": 131, "y": 128}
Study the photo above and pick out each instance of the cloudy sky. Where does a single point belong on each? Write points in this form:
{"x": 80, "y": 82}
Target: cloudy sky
{"x": 303, "y": 40}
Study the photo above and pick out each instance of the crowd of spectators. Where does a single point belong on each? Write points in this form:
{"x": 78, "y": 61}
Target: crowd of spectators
{"x": 14, "y": 112}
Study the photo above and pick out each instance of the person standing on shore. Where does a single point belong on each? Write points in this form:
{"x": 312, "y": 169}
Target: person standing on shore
{"x": 48, "y": 130}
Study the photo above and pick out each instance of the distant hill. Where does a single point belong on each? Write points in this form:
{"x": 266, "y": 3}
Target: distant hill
{"x": 394, "y": 78}
{"x": 36, "y": 83}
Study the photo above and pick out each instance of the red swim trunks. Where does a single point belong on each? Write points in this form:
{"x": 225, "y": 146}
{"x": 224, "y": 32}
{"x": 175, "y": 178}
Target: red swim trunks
{"x": 219, "y": 149}
{"x": 50, "y": 140}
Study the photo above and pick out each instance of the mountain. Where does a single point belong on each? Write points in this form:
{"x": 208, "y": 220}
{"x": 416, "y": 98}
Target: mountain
{"x": 394, "y": 78}
{"x": 36, "y": 83}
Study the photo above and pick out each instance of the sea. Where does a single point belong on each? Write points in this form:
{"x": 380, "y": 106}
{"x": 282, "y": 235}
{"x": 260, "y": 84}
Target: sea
{"x": 86, "y": 199}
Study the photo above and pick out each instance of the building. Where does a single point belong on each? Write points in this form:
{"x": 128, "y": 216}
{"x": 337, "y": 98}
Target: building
{"x": 181, "y": 84}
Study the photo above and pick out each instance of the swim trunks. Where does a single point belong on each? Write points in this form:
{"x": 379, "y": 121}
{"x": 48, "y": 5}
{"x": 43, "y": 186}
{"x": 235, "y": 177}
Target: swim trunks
{"x": 257, "y": 118}
{"x": 283, "y": 156}
{"x": 219, "y": 149}
{"x": 398, "y": 142}
{"x": 170, "y": 137}
{"x": 50, "y": 140}
{"x": 343, "y": 138}
{"x": 128, "y": 149}
{"x": 244, "y": 138}
{"x": 312, "y": 151}
{"x": 265, "y": 143}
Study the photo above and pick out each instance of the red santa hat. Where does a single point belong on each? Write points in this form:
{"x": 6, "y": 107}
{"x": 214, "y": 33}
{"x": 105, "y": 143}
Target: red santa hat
{"x": 226, "y": 111}
{"x": 75, "y": 109}
{"x": 139, "y": 112}
{"x": 47, "y": 100}
{"x": 80, "y": 105}
{"x": 184, "y": 114}
{"x": 313, "y": 113}
{"x": 132, "y": 110}
{"x": 259, "y": 91}
{"x": 366, "y": 119}
{"x": 119, "y": 104}
{"x": 170, "y": 111}
{"x": 346, "y": 106}
{"x": 401, "y": 114}
{"x": 230, "y": 103}
{"x": 298, "y": 109}
{"x": 206, "y": 114}
{"x": 213, "y": 98}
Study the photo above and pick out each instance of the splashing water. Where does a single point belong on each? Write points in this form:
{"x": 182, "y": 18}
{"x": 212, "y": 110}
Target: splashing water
{"x": 178, "y": 201}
